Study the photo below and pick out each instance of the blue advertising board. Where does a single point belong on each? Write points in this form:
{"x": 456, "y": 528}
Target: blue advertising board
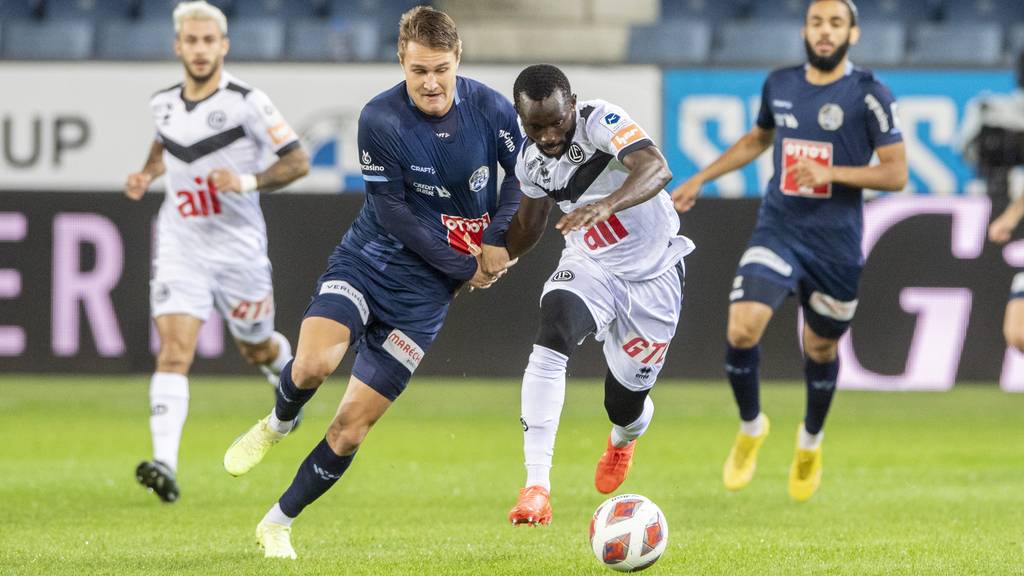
{"x": 707, "y": 110}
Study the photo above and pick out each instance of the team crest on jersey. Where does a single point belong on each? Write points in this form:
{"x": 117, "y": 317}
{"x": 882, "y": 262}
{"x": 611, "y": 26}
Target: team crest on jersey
{"x": 830, "y": 117}
{"x": 217, "y": 119}
{"x": 575, "y": 153}
{"x": 479, "y": 178}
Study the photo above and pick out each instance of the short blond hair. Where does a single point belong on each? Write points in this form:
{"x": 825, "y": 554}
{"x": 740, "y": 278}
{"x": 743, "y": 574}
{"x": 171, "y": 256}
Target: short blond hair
{"x": 429, "y": 27}
{"x": 199, "y": 10}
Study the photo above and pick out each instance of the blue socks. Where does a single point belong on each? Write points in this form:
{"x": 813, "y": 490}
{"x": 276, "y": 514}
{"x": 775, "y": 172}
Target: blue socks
{"x": 290, "y": 399}
{"x": 741, "y": 367}
{"x": 318, "y": 472}
{"x": 821, "y": 386}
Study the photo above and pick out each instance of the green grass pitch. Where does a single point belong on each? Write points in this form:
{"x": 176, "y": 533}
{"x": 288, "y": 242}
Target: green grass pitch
{"x": 914, "y": 484}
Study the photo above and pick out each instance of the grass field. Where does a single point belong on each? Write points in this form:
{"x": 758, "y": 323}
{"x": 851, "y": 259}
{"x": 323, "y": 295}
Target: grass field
{"x": 914, "y": 484}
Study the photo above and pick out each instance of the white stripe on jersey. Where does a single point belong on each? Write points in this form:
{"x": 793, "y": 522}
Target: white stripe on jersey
{"x": 234, "y": 128}
{"x": 638, "y": 243}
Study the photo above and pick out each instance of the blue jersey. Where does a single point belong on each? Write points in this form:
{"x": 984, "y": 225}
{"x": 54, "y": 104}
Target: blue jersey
{"x": 431, "y": 187}
{"x": 838, "y": 124}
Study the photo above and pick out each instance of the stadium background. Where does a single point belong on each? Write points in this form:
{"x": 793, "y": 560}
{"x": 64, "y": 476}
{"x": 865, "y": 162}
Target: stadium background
{"x": 75, "y": 265}
{"x": 914, "y": 483}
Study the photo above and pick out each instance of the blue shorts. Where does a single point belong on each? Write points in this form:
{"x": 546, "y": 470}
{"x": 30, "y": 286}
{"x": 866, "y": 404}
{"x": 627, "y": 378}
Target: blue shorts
{"x": 776, "y": 266}
{"x": 391, "y": 330}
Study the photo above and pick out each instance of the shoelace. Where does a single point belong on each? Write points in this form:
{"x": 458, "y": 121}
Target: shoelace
{"x": 620, "y": 459}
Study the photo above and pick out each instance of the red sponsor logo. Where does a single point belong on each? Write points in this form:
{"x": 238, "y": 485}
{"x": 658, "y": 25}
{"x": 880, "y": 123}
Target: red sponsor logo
{"x": 458, "y": 227}
{"x": 253, "y": 310}
{"x": 198, "y": 202}
{"x": 793, "y": 150}
{"x": 406, "y": 347}
{"x": 644, "y": 351}
{"x": 604, "y": 234}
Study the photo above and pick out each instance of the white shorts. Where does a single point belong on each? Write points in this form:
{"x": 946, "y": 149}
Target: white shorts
{"x": 635, "y": 319}
{"x": 243, "y": 296}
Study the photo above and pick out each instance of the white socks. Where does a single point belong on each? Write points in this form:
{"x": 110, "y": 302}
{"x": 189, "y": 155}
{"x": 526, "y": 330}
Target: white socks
{"x": 754, "y": 427}
{"x": 808, "y": 441}
{"x": 280, "y": 426}
{"x": 622, "y": 435}
{"x": 276, "y": 516}
{"x": 542, "y": 398}
{"x": 284, "y": 353}
{"x": 168, "y": 404}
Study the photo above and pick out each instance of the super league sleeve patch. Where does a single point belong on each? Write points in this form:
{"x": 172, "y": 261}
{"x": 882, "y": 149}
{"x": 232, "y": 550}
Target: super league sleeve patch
{"x": 403, "y": 349}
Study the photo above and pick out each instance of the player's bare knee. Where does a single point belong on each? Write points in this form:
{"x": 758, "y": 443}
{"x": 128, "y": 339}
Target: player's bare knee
{"x": 821, "y": 351}
{"x": 1014, "y": 339}
{"x": 174, "y": 357}
{"x": 345, "y": 438}
{"x": 256, "y": 354}
{"x": 742, "y": 334}
{"x": 310, "y": 372}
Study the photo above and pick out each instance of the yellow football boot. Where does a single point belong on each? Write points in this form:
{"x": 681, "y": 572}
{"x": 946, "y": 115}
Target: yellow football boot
{"x": 742, "y": 461}
{"x": 805, "y": 472}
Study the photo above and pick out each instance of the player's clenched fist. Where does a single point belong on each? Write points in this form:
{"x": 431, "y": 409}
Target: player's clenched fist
{"x": 810, "y": 174}
{"x": 136, "y": 185}
{"x": 225, "y": 180}
{"x": 685, "y": 195}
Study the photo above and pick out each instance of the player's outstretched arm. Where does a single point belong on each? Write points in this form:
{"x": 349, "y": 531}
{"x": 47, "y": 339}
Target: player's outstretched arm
{"x": 648, "y": 175}
{"x": 293, "y": 165}
{"x": 136, "y": 184}
{"x": 890, "y": 174}
{"x": 527, "y": 225}
{"x": 743, "y": 152}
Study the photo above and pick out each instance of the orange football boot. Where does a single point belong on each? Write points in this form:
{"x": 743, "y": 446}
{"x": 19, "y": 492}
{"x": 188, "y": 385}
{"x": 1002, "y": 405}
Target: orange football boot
{"x": 533, "y": 507}
{"x": 613, "y": 466}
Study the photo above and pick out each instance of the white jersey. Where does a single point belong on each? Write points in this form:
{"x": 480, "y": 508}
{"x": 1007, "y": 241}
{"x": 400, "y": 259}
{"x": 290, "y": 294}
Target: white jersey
{"x": 638, "y": 243}
{"x": 233, "y": 128}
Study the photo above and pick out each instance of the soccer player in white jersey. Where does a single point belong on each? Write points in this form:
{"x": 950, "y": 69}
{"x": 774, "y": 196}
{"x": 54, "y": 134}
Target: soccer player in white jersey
{"x": 999, "y": 232}
{"x": 620, "y": 276}
{"x": 212, "y": 133}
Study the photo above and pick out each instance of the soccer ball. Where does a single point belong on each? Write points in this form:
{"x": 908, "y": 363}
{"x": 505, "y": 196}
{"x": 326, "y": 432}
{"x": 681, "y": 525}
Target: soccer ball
{"x": 628, "y": 533}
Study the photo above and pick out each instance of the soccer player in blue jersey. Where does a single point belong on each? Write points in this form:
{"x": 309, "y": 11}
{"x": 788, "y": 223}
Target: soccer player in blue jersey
{"x": 434, "y": 220}
{"x": 825, "y": 119}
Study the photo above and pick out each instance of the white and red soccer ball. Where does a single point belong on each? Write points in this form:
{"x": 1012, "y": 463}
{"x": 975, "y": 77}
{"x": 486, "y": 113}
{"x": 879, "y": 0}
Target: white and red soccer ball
{"x": 628, "y": 533}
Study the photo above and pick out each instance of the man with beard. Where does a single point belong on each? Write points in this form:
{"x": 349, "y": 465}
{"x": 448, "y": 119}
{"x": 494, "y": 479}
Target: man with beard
{"x": 825, "y": 119}
{"x": 212, "y": 132}
{"x": 619, "y": 278}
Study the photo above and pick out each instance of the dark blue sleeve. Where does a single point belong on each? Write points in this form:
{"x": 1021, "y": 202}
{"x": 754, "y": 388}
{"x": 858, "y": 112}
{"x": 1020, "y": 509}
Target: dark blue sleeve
{"x": 883, "y": 122}
{"x": 385, "y": 189}
{"x": 509, "y": 141}
{"x": 765, "y": 118}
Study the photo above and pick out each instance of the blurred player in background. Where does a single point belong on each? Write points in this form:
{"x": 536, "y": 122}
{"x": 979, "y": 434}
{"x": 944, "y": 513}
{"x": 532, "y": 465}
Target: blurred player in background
{"x": 825, "y": 119}
{"x": 212, "y": 132}
{"x": 999, "y": 232}
{"x": 434, "y": 220}
{"x": 620, "y": 276}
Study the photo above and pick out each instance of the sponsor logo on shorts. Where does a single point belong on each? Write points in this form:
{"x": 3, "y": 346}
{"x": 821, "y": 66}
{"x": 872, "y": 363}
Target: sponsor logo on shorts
{"x": 403, "y": 349}
{"x": 523, "y": 422}
{"x": 645, "y": 351}
{"x": 161, "y": 293}
{"x": 342, "y": 288}
{"x": 563, "y": 276}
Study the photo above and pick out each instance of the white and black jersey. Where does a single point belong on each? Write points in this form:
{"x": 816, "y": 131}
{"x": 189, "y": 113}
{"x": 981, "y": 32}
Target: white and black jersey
{"x": 233, "y": 128}
{"x": 638, "y": 243}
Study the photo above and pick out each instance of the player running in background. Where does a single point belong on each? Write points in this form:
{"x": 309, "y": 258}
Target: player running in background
{"x": 825, "y": 119}
{"x": 999, "y": 232}
{"x": 620, "y": 276}
{"x": 212, "y": 132}
{"x": 430, "y": 148}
